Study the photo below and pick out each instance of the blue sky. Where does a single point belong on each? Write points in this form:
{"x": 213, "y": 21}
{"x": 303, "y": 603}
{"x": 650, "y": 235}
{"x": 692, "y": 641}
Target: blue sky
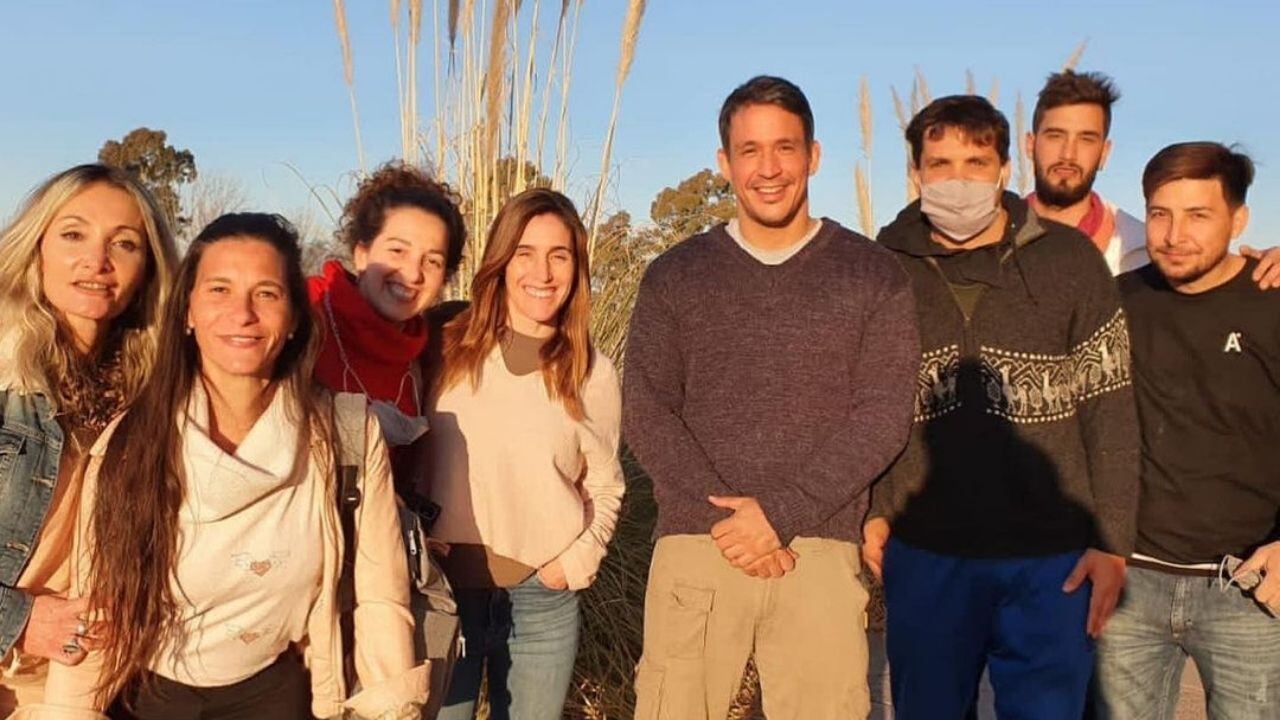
{"x": 254, "y": 87}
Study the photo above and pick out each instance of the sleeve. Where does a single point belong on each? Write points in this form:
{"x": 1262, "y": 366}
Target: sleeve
{"x": 602, "y": 484}
{"x": 15, "y": 609}
{"x": 883, "y": 368}
{"x": 390, "y": 679}
{"x": 882, "y": 494}
{"x": 69, "y": 691}
{"x": 1106, "y": 408}
{"x": 653, "y": 397}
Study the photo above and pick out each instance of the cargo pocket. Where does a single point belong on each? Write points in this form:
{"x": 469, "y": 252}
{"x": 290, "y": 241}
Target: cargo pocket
{"x": 676, "y": 691}
{"x": 688, "y": 612}
{"x": 671, "y": 678}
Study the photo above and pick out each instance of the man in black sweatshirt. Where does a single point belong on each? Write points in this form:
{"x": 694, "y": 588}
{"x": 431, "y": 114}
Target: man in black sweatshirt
{"x": 1206, "y": 355}
{"x": 1012, "y": 508}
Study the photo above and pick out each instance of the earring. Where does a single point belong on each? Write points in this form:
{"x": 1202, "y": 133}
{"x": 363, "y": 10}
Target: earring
{"x": 190, "y": 329}
{"x": 290, "y": 336}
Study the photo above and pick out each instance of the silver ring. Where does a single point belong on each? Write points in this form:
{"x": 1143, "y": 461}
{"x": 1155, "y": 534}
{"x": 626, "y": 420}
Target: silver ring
{"x": 81, "y": 629}
{"x": 72, "y": 646}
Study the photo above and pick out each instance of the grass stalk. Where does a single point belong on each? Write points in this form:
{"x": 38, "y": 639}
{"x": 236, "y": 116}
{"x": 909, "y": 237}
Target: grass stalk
{"x": 1020, "y": 130}
{"x": 559, "y": 175}
{"x": 866, "y": 213}
{"x": 348, "y": 74}
{"x": 550, "y": 81}
{"x": 527, "y": 88}
{"x": 1073, "y": 60}
{"x": 630, "y": 34}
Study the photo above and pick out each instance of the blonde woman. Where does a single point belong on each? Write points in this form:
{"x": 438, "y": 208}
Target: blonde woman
{"x": 84, "y": 269}
{"x": 524, "y": 460}
{"x": 222, "y": 477}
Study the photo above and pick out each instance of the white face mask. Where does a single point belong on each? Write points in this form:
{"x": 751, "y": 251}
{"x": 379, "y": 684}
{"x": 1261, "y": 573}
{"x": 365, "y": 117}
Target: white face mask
{"x": 398, "y": 428}
{"x": 960, "y": 209}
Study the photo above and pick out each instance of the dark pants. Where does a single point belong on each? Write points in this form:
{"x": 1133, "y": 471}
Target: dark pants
{"x": 949, "y": 617}
{"x": 280, "y": 691}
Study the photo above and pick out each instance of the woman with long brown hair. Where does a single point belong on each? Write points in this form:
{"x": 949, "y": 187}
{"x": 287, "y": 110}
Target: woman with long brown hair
{"x": 209, "y": 539}
{"x": 524, "y": 459}
{"x": 84, "y": 272}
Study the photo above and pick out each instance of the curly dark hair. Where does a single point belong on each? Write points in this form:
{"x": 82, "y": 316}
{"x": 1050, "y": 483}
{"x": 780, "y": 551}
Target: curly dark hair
{"x": 396, "y": 185}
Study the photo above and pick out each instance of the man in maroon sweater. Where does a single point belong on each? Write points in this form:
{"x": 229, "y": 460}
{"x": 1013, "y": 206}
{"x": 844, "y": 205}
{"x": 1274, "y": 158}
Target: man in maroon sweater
{"x": 769, "y": 380}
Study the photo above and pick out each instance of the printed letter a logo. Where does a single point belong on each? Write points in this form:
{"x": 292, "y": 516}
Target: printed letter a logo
{"x": 1233, "y": 342}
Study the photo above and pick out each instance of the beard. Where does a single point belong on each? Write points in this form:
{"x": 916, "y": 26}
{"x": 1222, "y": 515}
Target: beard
{"x": 1191, "y": 269}
{"x": 1062, "y": 194}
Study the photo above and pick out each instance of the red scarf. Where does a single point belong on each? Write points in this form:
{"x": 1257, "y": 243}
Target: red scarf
{"x": 1099, "y": 223}
{"x": 379, "y": 352}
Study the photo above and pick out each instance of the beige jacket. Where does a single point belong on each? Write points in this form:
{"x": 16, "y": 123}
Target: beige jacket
{"x": 384, "y": 659}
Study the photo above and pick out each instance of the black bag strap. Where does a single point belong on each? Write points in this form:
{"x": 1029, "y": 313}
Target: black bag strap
{"x": 349, "y": 417}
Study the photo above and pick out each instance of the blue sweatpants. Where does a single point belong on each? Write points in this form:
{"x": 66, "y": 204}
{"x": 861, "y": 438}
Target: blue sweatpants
{"x": 948, "y": 617}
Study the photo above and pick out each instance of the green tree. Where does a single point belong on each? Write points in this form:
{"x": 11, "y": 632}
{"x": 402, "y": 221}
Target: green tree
{"x": 698, "y": 202}
{"x": 159, "y": 165}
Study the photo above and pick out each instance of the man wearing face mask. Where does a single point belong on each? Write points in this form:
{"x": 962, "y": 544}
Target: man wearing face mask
{"x": 1000, "y": 532}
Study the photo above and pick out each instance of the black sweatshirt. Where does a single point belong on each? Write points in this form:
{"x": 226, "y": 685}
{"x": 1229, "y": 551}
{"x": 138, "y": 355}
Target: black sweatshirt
{"x": 1025, "y": 436}
{"x": 1207, "y": 379}
{"x": 790, "y": 383}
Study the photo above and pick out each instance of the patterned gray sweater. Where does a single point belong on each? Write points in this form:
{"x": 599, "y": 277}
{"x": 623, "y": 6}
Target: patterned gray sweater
{"x": 790, "y": 383}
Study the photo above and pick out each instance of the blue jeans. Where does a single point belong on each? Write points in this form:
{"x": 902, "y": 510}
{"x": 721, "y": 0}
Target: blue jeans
{"x": 528, "y": 637}
{"x": 949, "y": 617}
{"x": 1162, "y": 618}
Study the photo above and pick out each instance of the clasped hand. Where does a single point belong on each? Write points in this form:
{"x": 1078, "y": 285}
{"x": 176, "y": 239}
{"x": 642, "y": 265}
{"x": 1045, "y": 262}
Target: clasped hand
{"x": 748, "y": 541}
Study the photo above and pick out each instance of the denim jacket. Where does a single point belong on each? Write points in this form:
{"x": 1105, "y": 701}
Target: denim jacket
{"x": 30, "y": 449}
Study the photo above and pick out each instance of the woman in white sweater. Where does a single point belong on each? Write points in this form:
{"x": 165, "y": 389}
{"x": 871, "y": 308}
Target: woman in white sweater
{"x": 209, "y": 542}
{"x": 524, "y": 460}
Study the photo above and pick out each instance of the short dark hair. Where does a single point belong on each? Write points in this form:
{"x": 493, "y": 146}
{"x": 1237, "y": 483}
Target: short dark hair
{"x": 394, "y": 185}
{"x": 1072, "y": 88}
{"x": 973, "y": 115}
{"x": 1200, "y": 161}
{"x": 766, "y": 90}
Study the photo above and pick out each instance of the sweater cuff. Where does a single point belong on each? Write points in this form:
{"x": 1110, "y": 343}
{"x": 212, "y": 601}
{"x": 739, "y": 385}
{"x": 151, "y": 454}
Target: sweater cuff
{"x": 783, "y": 513}
{"x": 402, "y": 696}
{"x": 1118, "y": 538}
{"x": 577, "y": 573}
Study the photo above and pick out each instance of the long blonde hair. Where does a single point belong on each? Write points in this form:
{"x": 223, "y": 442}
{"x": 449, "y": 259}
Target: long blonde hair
{"x": 472, "y": 335}
{"x": 34, "y": 350}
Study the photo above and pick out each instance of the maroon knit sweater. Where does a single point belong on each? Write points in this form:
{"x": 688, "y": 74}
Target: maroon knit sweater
{"x": 790, "y": 383}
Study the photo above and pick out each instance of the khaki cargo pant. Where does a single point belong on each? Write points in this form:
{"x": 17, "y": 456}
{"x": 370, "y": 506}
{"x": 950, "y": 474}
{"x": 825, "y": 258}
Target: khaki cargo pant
{"x": 703, "y": 618}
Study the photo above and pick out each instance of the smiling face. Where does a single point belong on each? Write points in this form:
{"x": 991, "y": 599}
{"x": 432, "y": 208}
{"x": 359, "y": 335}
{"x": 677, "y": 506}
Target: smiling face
{"x": 93, "y": 259}
{"x": 539, "y": 276}
{"x": 1068, "y": 150}
{"x": 768, "y": 163}
{"x": 239, "y": 309}
{"x": 1190, "y": 227}
{"x": 401, "y": 271}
